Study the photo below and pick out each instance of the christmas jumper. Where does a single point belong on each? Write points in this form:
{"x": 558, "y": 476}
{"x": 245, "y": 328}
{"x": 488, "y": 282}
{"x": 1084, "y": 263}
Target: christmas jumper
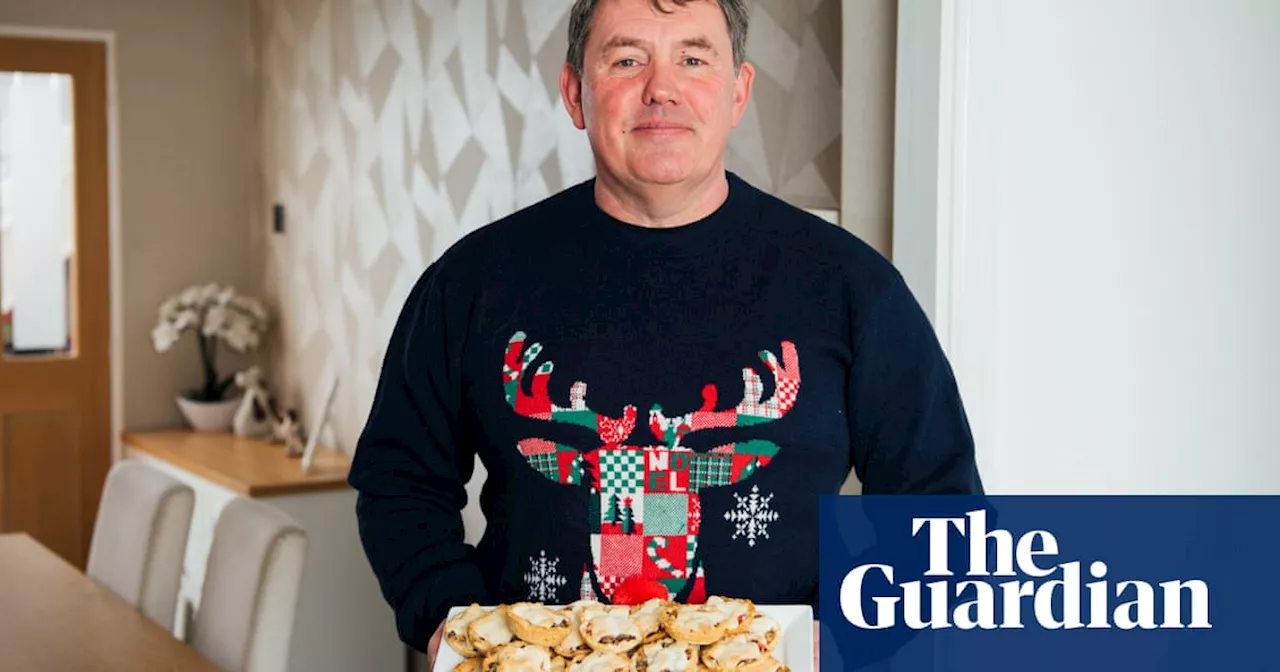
{"x": 668, "y": 403}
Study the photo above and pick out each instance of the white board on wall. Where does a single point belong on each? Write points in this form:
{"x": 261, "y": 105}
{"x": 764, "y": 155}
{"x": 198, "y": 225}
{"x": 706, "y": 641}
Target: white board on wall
{"x": 1088, "y": 207}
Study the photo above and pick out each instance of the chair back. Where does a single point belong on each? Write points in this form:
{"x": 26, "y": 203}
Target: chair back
{"x": 140, "y": 538}
{"x": 247, "y": 605}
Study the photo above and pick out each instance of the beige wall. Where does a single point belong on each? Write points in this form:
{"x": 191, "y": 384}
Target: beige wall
{"x": 390, "y": 129}
{"x": 185, "y": 159}
{"x": 868, "y": 110}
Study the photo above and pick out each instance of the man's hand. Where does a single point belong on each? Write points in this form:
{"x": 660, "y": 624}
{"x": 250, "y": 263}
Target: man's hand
{"x": 433, "y": 645}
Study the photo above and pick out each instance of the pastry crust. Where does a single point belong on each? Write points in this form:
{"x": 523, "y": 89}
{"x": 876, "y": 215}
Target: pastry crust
{"x": 600, "y": 661}
{"x": 697, "y": 623}
{"x": 737, "y": 611}
{"x": 469, "y": 665}
{"x": 585, "y": 609}
{"x": 609, "y": 629}
{"x": 767, "y": 629}
{"x": 537, "y": 624}
{"x": 490, "y": 631}
{"x": 455, "y": 630}
{"x": 578, "y": 604}
{"x": 770, "y": 664}
{"x": 517, "y": 657}
{"x": 766, "y": 664}
{"x": 736, "y": 652}
{"x": 647, "y": 617}
{"x": 666, "y": 655}
{"x": 573, "y": 646}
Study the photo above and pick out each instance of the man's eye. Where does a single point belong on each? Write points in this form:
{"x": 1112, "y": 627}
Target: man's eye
{"x": 626, "y": 62}
{"x": 692, "y": 61}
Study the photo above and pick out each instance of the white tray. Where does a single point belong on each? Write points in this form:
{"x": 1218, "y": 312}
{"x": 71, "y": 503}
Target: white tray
{"x": 795, "y": 649}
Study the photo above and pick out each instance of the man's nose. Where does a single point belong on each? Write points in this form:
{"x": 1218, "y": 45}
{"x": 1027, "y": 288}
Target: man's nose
{"x": 661, "y": 87}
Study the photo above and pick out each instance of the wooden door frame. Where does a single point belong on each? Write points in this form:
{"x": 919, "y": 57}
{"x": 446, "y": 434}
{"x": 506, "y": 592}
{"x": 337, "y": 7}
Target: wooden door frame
{"x": 114, "y": 234}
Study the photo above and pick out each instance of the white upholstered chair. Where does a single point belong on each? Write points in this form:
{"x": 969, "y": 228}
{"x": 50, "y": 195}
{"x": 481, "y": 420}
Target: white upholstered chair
{"x": 247, "y": 606}
{"x": 140, "y": 538}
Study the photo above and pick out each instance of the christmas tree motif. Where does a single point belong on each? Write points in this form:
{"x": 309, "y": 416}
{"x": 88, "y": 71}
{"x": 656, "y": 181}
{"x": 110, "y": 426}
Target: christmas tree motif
{"x": 628, "y": 525}
{"x": 593, "y": 511}
{"x": 573, "y": 475}
{"x": 580, "y": 467}
{"x": 614, "y": 514}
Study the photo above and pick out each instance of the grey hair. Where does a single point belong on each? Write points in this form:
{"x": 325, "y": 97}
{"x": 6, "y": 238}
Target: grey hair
{"x": 736, "y": 16}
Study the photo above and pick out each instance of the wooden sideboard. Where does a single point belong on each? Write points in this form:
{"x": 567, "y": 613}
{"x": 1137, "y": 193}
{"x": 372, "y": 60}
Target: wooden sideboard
{"x": 342, "y": 621}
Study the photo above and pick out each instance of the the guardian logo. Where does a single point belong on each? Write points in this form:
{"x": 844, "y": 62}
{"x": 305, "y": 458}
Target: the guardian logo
{"x": 1028, "y": 591}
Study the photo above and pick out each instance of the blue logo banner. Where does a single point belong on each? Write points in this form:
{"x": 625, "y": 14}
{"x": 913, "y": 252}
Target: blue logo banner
{"x": 1049, "y": 583}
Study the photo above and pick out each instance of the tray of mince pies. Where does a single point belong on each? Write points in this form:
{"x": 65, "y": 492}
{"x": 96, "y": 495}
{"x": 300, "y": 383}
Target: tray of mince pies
{"x": 655, "y": 636}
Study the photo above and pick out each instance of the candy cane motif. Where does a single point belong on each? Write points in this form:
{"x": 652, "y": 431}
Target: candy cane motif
{"x": 660, "y": 562}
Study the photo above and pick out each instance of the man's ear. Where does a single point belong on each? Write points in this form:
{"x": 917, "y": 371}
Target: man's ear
{"x": 571, "y": 94}
{"x": 742, "y": 91}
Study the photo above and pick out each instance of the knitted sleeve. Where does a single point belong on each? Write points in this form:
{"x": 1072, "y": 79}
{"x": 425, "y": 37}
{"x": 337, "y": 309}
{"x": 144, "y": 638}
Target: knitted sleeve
{"x": 910, "y": 431}
{"x": 411, "y": 466}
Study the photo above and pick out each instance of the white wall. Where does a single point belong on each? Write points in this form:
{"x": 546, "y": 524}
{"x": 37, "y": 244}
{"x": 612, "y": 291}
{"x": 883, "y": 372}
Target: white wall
{"x": 1103, "y": 258}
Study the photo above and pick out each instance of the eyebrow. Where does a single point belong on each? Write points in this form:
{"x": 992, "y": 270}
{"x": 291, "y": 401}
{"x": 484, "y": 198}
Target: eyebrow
{"x": 620, "y": 41}
{"x": 698, "y": 43}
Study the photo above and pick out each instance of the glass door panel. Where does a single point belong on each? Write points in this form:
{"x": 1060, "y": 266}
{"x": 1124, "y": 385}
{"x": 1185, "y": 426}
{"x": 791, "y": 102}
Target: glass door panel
{"x": 37, "y": 212}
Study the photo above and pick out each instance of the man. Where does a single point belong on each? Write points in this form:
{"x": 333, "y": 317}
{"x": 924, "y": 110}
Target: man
{"x": 661, "y": 368}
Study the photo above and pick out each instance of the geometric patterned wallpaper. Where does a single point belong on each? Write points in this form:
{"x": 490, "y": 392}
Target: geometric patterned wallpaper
{"x": 390, "y": 128}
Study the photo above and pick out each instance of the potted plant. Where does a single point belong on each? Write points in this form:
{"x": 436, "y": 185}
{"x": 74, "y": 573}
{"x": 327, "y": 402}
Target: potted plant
{"x": 219, "y": 316}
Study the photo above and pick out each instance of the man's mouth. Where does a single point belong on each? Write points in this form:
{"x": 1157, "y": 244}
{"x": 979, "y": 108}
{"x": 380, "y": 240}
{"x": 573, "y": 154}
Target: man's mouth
{"x": 660, "y": 127}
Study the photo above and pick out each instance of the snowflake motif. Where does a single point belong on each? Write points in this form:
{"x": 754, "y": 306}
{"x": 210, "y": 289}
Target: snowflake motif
{"x": 752, "y": 516}
{"x": 543, "y": 578}
{"x": 695, "y": 515}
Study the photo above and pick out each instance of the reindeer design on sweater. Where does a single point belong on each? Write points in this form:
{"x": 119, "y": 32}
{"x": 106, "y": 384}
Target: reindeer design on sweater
{"x": 644, "y": 510}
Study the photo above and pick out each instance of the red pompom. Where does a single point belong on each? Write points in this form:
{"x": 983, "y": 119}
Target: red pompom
{"x": 638, "y": 590}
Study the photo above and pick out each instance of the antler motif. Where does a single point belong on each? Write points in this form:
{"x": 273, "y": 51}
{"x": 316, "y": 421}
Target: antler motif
{"x": 750, "y": 411}
{"x": 538, "y": 404}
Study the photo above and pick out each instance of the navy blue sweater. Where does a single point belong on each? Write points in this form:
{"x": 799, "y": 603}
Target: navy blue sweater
{"x": 668, "y": 403}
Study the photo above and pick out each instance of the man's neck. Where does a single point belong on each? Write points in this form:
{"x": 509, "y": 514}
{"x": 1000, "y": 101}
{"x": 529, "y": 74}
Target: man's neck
{"x": 661, "y": 206}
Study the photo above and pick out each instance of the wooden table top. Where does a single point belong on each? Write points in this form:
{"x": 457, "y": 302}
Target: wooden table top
{"x": 54, "y": 617}
{"x": 250, "y": 467}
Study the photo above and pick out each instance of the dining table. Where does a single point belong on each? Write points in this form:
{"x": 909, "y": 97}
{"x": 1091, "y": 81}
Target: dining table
{"x": 55, "y": 617}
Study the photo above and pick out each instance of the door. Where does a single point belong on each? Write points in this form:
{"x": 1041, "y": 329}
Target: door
{"x": 54, "y": 299}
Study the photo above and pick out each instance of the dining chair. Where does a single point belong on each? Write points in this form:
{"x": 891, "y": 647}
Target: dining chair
{"x": 140, "y": 538}
{"x": 245, "y": 619}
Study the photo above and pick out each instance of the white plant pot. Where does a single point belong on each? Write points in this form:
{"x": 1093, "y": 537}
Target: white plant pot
{"x": 209, "y": 416}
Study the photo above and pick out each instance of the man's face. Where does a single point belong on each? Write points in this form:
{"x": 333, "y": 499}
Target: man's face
{"x": 659, "y": 92}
